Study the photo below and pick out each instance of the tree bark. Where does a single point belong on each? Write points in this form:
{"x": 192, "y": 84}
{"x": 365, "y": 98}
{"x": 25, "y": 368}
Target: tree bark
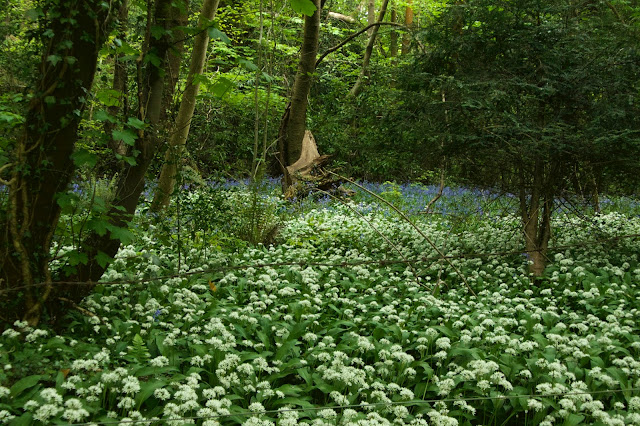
{"x": 408, "y": 22}
{"x": 536, "y": 216}
{"x": 364, "y": 71}
{"x": 178, "y": 138}
{"x": 341, "y": 17}
{"x": 393, "y": 48}
{"x": 371, "y": 15}
{"x": 293, "y": 124}
{"x": 130, "y": 180}
{"x": 119, "y": 84}
{"x": 42, "y": 166}
{"x": 179, "y": 17}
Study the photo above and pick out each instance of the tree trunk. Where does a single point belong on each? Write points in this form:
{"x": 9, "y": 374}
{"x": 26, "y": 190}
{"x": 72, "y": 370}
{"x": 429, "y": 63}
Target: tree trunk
{"x": 364, "y": 71}
{"x": 178, "y": 138}
{"x": 393, "y": 48}
{"x": 371, "y": 14}
{"x": 42, "y": 166}
{"x": 119, "y": 84}
{"x": 293, "y": 124}
{"x": 132, "y": 179}
{"x": 536, "y": 217}
{"x": 179, "y": 17}
{"x": 408, "y": 22}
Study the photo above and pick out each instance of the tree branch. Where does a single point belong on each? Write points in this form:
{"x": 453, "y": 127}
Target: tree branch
{"x": 352, "y": 36}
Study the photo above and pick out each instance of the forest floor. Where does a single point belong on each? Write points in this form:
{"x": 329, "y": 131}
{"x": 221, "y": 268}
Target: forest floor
{"x": 346, "y": 315}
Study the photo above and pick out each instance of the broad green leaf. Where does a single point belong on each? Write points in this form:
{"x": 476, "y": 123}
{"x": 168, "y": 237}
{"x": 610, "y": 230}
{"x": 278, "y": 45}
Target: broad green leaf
{"x": 123, "y": 234}
{"x": 102, "y": 115}
{"x": 126, "y": 136}
{"x": 135, "y": 123}
{"x": 54, "y": 59}
{"x": 147, "y": 389}
{"x": 216, "y": 34}
{"x": 153, "y": 59}
{"x": 573, "y": 419}
{"x": 24, "y": 384}
{"x": 67, "y": 200}
{"x": 248, "y": 65}
{"x": 109, "y": 97}
{"x": 98, "y": 225}
{"x": 305, "y": 7}
{"x": 83, "y": 156}
{"x": 103, "y": 259}
{"x": 24, "y": 420}
{"x": 157, "y": 31}
{"x": 221, "y": 87}
{"x": 76, "y": 258}
{"x": 306, "y": 376}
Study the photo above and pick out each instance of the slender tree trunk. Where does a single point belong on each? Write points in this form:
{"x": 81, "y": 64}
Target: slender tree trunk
{"x": 178, "y": 138}
{"x": 42, "y": 166}
{"x": 132, "y": 178}
{"x": 371, "y": 14}
{"x": 393, "y": 48}
{"x": 179, "y": 17}
{"x": 293, "y": 124}
{"x": 364, "y": 71}
{"x": 536, "y": 210}
{"x": 408, "y": 22}
{"x": 119, "y": 84}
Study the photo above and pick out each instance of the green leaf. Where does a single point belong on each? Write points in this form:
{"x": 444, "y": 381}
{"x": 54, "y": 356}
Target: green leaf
{"x": 99, "y": 226}
{"x": 67, "y": 200}
{"x": 76, "y": 258}
{"x": 109, "y": 97}
{"x": 127, "y": 49}
{"x": 103, "y": 259}
{"x": 135, "y": 123}
{"x": 248, "y": 65}
{"x": 123, "y": 234}
{"x": 83, "y": 156}
{"x": 24, "y": 384}
{"x": 221, "y": 87}
{"x": 305, "y": 7}
{"x": 152, "y": 371}
{"x": 126, "y": 136}
{"x": 130, "y": 160}
{"x": 216, "y": 34}
{"x": 54, "y": 59}
{"x": 306, "y": 376}
{"x": 153, "y": 59}
{"x": 102, "y": 115}
{"x": 24, "y": 420}
{"x": 157, "y": 31}
{"x": 147, "y": 389}
{"x": 573, "y": 420}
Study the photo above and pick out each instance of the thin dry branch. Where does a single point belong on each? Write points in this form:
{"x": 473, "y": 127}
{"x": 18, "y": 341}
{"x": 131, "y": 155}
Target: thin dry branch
{"x": 380, "y": 262}
{"x": 406, "y": 218}
{"x": 352, "y": 36}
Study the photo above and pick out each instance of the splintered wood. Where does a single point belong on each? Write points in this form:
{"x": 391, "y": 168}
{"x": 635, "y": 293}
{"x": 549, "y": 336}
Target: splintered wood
{"x": 307, "y": 172}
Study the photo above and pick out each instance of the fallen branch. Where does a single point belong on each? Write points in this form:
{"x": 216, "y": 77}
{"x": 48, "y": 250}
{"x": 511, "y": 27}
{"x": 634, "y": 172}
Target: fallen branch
{"x": 80, "y": 308}
{"x": 427, "y": 209}
{"x": 404, "y": 216}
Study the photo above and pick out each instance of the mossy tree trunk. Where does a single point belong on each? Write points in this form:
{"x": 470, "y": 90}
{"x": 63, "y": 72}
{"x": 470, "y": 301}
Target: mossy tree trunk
{"x": 536, "y": 207}
{"x": 180, "y": 133}
{"x": 293, "y": 124}
{"x": 41, "y": 162}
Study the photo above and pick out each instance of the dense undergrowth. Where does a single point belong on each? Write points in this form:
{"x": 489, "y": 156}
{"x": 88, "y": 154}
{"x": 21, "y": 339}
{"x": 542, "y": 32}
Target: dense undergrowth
{"x": 204, "y": 332}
